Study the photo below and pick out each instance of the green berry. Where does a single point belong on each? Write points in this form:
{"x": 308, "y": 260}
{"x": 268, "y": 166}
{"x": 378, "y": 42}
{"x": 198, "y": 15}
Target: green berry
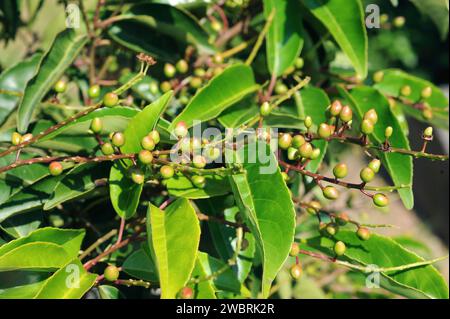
{"x": 367, "y": 127}
{"x": 406, "y": 90}
{"x": 281, "y": 88}
{"x": 315, "y": 154}
{"x": 363, "y": 233}
{"x": 336, "y": 108}
{"x": 380, "y": 200}
{"x": 165, "y": 86}
{"x": 199, "y": 72}
{"x": 153, "y": 88}
{"x": 154, "y": 135}
{"x": 299, "y": 63}
{"x": 314, "y": 207}
{"x": 16, "y": 138}
{"x": 295, "y": 249}
{"x": 384, "y": 18}
{"x": 212, "y": 153}
{"x": 186, "y": 293}
{"x": 375, "y": 165}
{"x": 367, "y": 175}
{"x": 427, "y": 113}
{"x": 167, "y": 171}
{"x": 195, "y": 82}
{"x": 216, "y": 26}
{"x": 296, "y": 271}
{"x": 199, "y": 161}
{"x": 388, "y": 132}
{"x": 305, "y": 150}
{"x": 60, "y": 86}
{"x": 399, "y": 22}
{"x": 339, "y": 248}
{"x": 118, "y": 139}
{"x": 148, "y": 143}
{"x": 324, "y": 131}
{"x": 378, "y": 76}
{"x": 111, "y": 273}
{"x": 297, "y": 141}
{"x": 218, "y": 58}
{"x": 107, "y": 149}
{"x": 346, "y": 114}
{"x": 55, "y": 168}
{"x": 182, "y": 66}
{"x": 330, "y": 193}
{"x": 285, "y": 176}
{"x": 145, "y": 157}
{"x": 94, "y": 91}
{"x": 110, "y": 99}
{"x": 340, "y": 170}
{"x": 332, "y": 229}
{"x": 285, "y": 141}
{"x": 372, "y": 116}
{"x": 265, "y": 109}
{"x": 428, "y": 132}
{"x": 169, "y": 70}
{"x": 308, "y": 122}
{"x": 427, "y": 92}
{"x": 292, "y": 153}
{"x": 198, "y": 181}
{"x": 137, "y": 176}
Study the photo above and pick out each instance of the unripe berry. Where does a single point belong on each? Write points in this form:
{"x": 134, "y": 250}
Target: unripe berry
{"x": 372, "y": 116}
{"x": 297, "y": 141}
{"x": 295, "y": 249}
{"x": 375, "y": 165}
{"x": 427, "y": 113}
{"x": 107, "y": 149}
{"x": 154, "y": 135}
{"x": 308, "y": 122}
{"x": 296, "y": 271}
{"x": 367, "y": 175}
{"x": 330, "y": 193}
{"x": 399, "y": 22}
{"x": 137, "y": 175}
{"x": 292, "y": 153}
{"x": 186, "y": 293}
{"x": 336, "y": 108}
{"x": 153, "y": 88}
{"x": 265, "y": 109}
{"x": 281, "y": 88}
{"x": 339, "y": 248}
{"x": 199, "y": 72}
{"x": 340, "y": 170}
{"x": 218, "y": 58}
{"x": 212, "y": 153}
{"x": 342, "y": 219}
{"x": 16, "y": 138}
{"x": 198, "y": 181}
{"x": 147, "y": 143}
{"x": 299, "y": 63}
{"x": 324, "y": 131}
{"x": 388, "y": 132}
{"x": 169, "y": 70}
{"x": 285, "y": 177}
{"x": 110, "y": 99}
{"x": 367, "y": 127}
{"x": 428, "y": 132}
{"x": 285, "y": 141}
{"x": 380, "y": 200}
{"x": 346, "y": 114}
{"x": 315, "y": 154}
{"x": 165, "y": 86}
{"x": 55, "y": 168}
{"x": 111, "y": 273}
{"x": 363, "y": 233}
{"x": 305, "y": 150}
{"x": 314, "y": 207}
{"x": 378, "y": 76}
{"x": 26, "y": 138}
{"x": 427, "y": 92}
{"x": 60, "y": 86}
{"x": 167, "y": 171}
{"x": 182, "y": 66}
{"x": 384, "y": 18}
{"x": 118, "y": 139}
{"x": 216, "y": 26}
{"x": 332, "y": 229}
{"x": 145, "y": 157}
{"x": 94, "y": 91}
{"x": 195, "y": 82}
{"x": 406, "y": 90}
{"x": 199, "y": 161}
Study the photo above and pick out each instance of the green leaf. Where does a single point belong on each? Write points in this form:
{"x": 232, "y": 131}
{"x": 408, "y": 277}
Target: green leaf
{"x": 22, "y": 225}
{"x": 394, "y": 80}
{"x": 266, "y": 204}
{"x": 108, "y": 292}
{"x": 140, "y": 265}
{"x": 418, "y": 282}
{"x": 175, "y": 236}
{"x": 437, "y": 11}
{"x": 70, "y": 282}
{"x": 64, "y": 50}
{"x": 77, "y": 182}
{"x": 227, "y": 88}
{"x": 225, "y": 280}
{"x": 399, "y": 166}
{"x": 239, "y": 114}
{"x": 21, "y": 292}
{"x": 345, "y": 22}
{"x": 181, "y": 186}
{"x": 205, "y": 288}
{"x": 15, "y": 79}
{"x": 284, "y": 39}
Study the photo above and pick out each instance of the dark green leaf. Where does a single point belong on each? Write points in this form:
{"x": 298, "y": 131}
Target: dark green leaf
{"x": 181, "y": 186}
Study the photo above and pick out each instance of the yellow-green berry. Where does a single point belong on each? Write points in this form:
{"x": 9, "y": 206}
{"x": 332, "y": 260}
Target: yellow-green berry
{"x": 315, "y": 154}
{"x": 428, "y": 132}
{"x": 55, "y": 168}
{"x": 388, "y": 132}
{"x": 182, "y": 66}
{"x": 330, "y": 192}
{"x": 406, "y": 90}
{"x": 372, "y": 116}
{"x": 145, "y": 157}
{"x": 305, "y": 150}
{"x": 308, "y": 122}
{"x": 380, "y": 200}
{"x": 198, "y": 181}
{"x": 375, "y": 165}
{"x": 339, "y": 248}
{"x": 363, "y": 233}
{"x": 292, "y": 153}
{"x": 165, "y": 86}
{"x": 137, "y": 176}
{"x": 16, "y": 138}
{"x": 199, "y": 161}
{"x": 60, "y": 86}
{"x": 399, "y": 22}
{"x": 111, "y": 273}
{"x": 298, "y": 140}
{"x": 299, "y": 63}
{"x": 167, "y": 171}
{"x": 314, "y": 207}
{"x": 265, "y": 109}
{"x": 281, "y": 88}
{"x": 110, "y": 99}
{"x": 336, "y": 108}
{"x": 427, "y": 92}
{"x": 285, "y": 141}
{"x": 107, "y": 148}
{"x": 295, "y": 249}
{"x": 118, "y": 139}
{"x": 346, "y": 114}
{"x": 94, "y": 91}
{"x": 154, "y": 135}
{"x": 367, "y": 127}
{"x": 367, "y": 175}
{"x": 296, "y": 271}
{"x": 324, "y": 131}
{"x": 148, "y": 143}
{"x": 340, "y": 170}
{"x": 378, "y": 76}
{"x": 169, "y": 70}
{"x": 195, "y": 82}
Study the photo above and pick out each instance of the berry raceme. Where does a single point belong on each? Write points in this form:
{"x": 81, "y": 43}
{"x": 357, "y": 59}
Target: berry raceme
{"x": 55, "y": 168}
{"x": 111, "y": 273}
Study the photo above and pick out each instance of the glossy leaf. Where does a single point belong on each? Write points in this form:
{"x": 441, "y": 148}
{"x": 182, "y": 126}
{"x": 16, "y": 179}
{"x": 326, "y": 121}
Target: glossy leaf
{"x": 227, "y": 280}
{"x": 205, "y": 288}
{"x": 140, "y": 265}
{"x": 418, "y": 282}
{"x": 175, "y": 236}
{"x": 284, "y": 39}
{"x": 437, "y": 11}
{"x": 22, "y": 225}
{"x": 181, "y": 186}
{"x": 266, "y": 204}
{"x": 239, "y": 114}
{"x": 399, "y": 166}
{"x": 344, "y": 20}
{"x": 64, "y": 50}
{"x": 108, "y": 292}
{"x": 227, "y": 88}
